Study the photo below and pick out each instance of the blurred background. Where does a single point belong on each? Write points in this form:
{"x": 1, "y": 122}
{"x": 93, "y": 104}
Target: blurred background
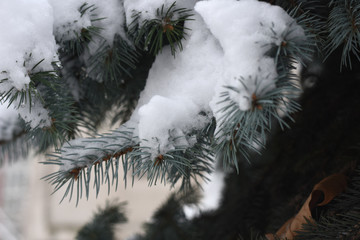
{"x": 28, "y": 211}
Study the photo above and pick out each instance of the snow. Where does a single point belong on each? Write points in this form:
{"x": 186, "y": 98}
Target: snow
{"x": 68, "y": 21}
{"x": 226, "y": 46}
{"x": 36, "y": 116}
{"x": 173, "y": 117}
{"x": 212, "y": 192}
{"x": 8, "y": 122}
{"x": 178, "y": 90}
{"x": 229, "y": 41}
{"x": 67, "y": 18}
{"x": 27, "y": 38}
{"x": 23, "y": 32}
{"x": 87, "y": 151}
{"x": 9, "y": 118}
{"x": 29, "y": 29}
{"x": 245, "y": 30}
{"x": 148, "y": 8}
{"x": 113, "y": 12}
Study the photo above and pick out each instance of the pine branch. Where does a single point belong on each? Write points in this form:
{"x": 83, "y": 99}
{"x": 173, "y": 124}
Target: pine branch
{"x": 294, "y": 48}
{"x": 243, "y": 131}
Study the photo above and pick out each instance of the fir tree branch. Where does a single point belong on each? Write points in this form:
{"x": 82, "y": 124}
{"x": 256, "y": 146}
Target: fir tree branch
{"x": 241, "y": 131}
{"x": 43, "y": 86}
{"x": 104, "y": 155}
{"x": 25, "y": 96}
{"x": 343, "y": 31}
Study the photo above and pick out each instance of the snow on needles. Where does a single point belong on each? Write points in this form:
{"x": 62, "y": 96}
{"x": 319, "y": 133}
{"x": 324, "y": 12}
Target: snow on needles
{"x": 229, "y": 40}
{"x": 68, "y": 21}
{"x": 26, "y": 38}
{"x": 148, "y": 8}
{"x": 28, "y": 32}
{"x": 245, "y": 30}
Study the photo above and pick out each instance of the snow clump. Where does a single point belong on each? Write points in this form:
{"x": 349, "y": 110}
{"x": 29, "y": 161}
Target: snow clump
{"x": 228, "y": 40}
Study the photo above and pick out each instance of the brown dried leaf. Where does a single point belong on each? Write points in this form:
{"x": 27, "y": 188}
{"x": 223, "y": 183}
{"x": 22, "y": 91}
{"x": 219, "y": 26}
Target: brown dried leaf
{"x": 322, "y": 194}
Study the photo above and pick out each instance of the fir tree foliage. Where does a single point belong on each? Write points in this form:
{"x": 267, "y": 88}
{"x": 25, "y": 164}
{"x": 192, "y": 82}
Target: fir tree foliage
{"x": 102, "y": 226}
{"x": 248, "y": 129}
{"x": 112, "y": 63}
{"x": 180, "y": 164}
{"x": 167, "y": 28}
{"x": 343, "y": 30}
{"x": 43, "y": 86}
{"x": 340, "y": 219}
{"x": 114, "y": 74}
{"x": 95, "y": 75}
{"x": 169, "y": 221}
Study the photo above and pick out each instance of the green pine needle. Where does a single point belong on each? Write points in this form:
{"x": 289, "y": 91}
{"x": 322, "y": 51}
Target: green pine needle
{"x": 167, "y": 28}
